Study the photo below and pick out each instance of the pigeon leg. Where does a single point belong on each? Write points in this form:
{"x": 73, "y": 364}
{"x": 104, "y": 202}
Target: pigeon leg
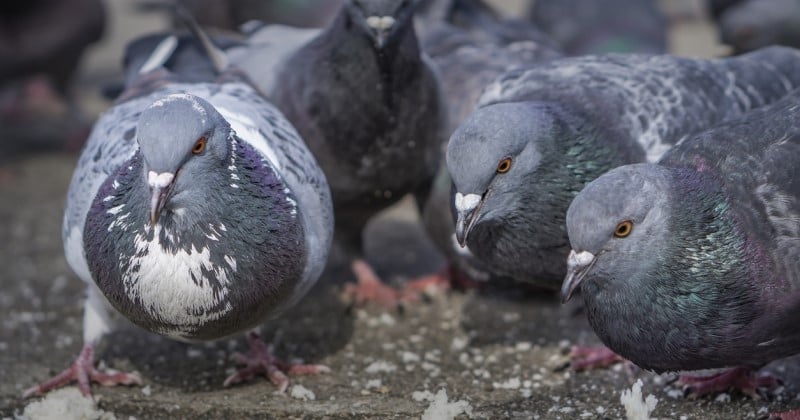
{"x": 741, "y": 378}
{"x": 596, "y": 357}
{"x": 443, "y": 280}
{"x": 369, "y": 288}
{"x": 84, "y": 372}
{"x": 261, "y": 361}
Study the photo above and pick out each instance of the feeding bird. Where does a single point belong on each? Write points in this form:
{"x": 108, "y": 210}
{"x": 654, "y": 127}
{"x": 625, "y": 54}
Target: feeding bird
{"x": 539, "y": 135}
{"x": 693, "y": 263}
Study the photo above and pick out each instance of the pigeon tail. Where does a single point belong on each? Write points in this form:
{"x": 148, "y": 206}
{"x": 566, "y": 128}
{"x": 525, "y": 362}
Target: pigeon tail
{"x": 218, "y": 57}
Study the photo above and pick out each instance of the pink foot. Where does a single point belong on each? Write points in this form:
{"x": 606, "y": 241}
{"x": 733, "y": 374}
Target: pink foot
{"x": 261, "y": 361}
{"x": 741, "y": 378}
{"x": 436, "y": 282}
{"x": 786, "y": 415}
{"x": 83, "y": 371}
{"x": 596, "y": 357}
{"x": 370, "y": 289}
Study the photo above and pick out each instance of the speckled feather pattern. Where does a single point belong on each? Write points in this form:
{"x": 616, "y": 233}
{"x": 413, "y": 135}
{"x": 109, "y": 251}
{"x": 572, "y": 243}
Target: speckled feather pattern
{"x": 612, "y": 110}
{"x": 655, "y": 99}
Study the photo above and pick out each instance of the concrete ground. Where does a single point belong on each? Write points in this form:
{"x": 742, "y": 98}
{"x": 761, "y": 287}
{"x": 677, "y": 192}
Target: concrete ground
{"x": 497, "y": 353}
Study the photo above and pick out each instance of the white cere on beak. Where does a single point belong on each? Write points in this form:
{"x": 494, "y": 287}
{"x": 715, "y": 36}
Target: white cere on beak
{"x": 579, "y": 259}
{"x": 466, "y": 203}
{"x": 380, "y": 22}
{"x": 162, "y": 180}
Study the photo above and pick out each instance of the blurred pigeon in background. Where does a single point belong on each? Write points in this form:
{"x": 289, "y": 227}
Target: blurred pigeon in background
{"x": 694, "y": 263}
{"x": 752, "y": 24}
{"x": 366, "y": 103}
{"x": 197, "y": 212}
{"x": 540, "y": 135}
{"x": 594, "y": 27}
{"x": 41, "y": 44}
{"x": 230, "y": 14}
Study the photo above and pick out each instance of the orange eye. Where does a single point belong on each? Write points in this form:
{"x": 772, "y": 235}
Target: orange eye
{"x": 623, "y": 229}
{"x": 199, "y": 145}
{"x": 504, "y": 166}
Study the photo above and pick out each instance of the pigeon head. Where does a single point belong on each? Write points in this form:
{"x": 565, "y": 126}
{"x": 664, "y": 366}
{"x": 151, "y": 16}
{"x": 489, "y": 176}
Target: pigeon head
{"x": 181, "y": 137}
{"x": 381, "y": 20}
{"x": 613, "y": 223}
{"x": 488, "y": 155}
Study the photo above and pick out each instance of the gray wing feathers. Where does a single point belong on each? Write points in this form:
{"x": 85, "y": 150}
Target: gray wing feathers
{"x": 758, "y": 157}
{"x": 659, "y": 97}
{"x": 267, "y": 49}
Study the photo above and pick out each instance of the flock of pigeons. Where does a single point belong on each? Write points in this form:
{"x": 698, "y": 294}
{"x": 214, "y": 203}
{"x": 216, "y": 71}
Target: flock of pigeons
{"x": 665, "y": 189}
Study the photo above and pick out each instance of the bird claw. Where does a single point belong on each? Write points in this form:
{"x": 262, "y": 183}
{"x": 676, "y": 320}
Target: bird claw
{"x": 261, "y": 361}
{"x": 740, "y": 378}
{"x": 84, "y": 372}
{"x": 593, "y": 357}
{"x": 369, "y": 288}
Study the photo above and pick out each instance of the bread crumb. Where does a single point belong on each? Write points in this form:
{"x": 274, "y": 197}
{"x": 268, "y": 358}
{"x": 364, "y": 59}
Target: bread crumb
{"x": 300, "y": 392}
{"x": 65, "y": 403}
{"x": 635, "y": 407}
{"x": 380, "y": 366}
{"x": 441, "y": 409}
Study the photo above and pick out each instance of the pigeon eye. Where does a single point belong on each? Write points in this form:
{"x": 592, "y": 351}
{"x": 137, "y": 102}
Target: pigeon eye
{"x": 504, "y": 166}
{"x": 623, "y": 229}
{"x": 199, "y": 145}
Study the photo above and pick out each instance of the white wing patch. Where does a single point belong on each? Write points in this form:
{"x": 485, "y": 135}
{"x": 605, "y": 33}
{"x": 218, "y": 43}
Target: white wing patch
{"x": 247, "y": 130}
{"x": 172, "y": 286}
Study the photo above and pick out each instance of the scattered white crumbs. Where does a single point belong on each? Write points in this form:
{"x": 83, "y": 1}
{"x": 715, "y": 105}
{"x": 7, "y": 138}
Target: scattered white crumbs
{"x": 637, "y": 408}
{"x": 65, "y": 403}
{"x": 380, "y": 366}
{"x": 723, "y": 398}
{"x": 459, "y": 343}
{"x": 299, "y": 392}
{"x": 146, "y": 391}
{"x": 441, "y": 409}
{"x": 373, "y": 383}
{"x": 409, "y": 357}
{"x": 513, "y": 383}
{"x": 422, "y": 396}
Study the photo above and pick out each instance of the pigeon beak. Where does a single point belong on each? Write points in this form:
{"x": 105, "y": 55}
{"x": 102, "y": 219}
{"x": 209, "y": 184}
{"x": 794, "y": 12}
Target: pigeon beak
{"x": 467, "y": 208}
{"x": 160, "y": 186}
{"x": 381, "y": 27}
{"x": 578, "y": 265}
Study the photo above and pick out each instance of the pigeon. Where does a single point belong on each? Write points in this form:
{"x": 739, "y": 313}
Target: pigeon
{"x": 38, "y": 109}
{"x": 366, "y": 102}
{"x": 539, "y": 135}
{"x": 752, "y": 24}
{"x": 470, "y": 47}
{"x": 197, "y": 212}
{"x": 594, "y": 27}
{"x": 694, "y": 262}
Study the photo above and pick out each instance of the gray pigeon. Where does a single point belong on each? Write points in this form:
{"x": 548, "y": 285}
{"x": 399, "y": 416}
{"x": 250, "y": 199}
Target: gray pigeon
{"x": 540, "y": 135}
{"x": 753, "y": 24}
{"x": 365, "y": 101}
{"x": 197, "y": 212}
{"x": 471, "y": 47}
{"x": 596, "y": 27}
{"x": 694, "y": 262}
